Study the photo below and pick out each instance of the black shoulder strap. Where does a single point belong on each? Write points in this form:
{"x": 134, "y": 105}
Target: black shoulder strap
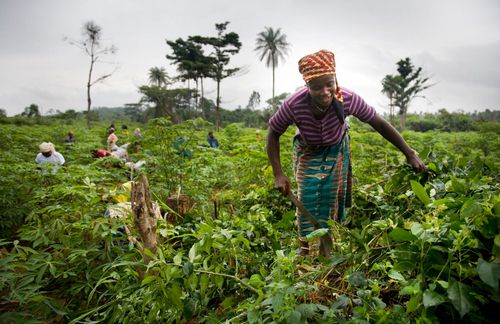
{"x": 339, "y": 110}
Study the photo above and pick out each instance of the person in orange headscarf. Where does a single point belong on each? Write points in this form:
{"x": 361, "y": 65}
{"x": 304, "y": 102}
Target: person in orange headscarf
{"x": 322, "y": 159}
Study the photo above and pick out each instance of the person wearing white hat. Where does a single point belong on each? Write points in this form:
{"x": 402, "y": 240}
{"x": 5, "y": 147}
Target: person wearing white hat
{"x": 49, "y": 155}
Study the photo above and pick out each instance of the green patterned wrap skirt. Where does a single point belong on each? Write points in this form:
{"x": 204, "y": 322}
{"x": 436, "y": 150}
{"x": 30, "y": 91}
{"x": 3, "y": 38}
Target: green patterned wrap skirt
{"x": 324, "y": 179}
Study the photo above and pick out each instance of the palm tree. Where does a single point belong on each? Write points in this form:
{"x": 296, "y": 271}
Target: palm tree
{"x": 404, "y": 87}
{"x": 389, "y": 88}
{"x": 272, "y": 46}
{"x": 158, "y": 76}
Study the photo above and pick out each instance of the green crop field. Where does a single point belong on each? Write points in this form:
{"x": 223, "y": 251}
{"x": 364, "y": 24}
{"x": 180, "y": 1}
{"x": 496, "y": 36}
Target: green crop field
{"x": 420, "y": 248}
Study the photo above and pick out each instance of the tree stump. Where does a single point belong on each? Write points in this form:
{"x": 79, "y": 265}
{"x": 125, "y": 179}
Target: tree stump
{"x": 180, "y": 204}
{"x": 145, "y": 218}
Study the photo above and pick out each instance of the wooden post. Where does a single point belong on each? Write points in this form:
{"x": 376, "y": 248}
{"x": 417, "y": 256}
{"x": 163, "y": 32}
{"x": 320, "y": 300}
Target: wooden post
{"x": 144, "y": 215}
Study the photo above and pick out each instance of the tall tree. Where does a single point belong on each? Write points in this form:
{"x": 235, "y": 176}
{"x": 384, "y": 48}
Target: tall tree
{"x": 158, "y": 76}
{"x": 224, "y": 45}
{"x": 191, "y": 61}
{"x": 254, "y": 100}
{"x": 272, "y": 46}
{"x": 31, "y": 111}
{"x": 167, "y": 102}
{"x": 404, "y": 87}
{"x": 389, "y": 86}
{"x": 91, "y": 46}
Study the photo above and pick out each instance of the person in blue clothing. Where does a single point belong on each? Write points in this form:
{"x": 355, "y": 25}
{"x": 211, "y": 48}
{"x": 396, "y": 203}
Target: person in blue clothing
{"x": 212, "y": 141}
{"x": 71, "y": 138}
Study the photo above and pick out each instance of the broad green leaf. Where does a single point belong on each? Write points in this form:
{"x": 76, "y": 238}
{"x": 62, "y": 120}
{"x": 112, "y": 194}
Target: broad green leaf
{"x": 443, "y": 284}
{"x": 178, "y": 259}
{"x": 189, "y": 308}
{"x": 413, "y": 289}
{"x": 306, "y": 310}
{"x": 496, "y": 247}
{"x": 489, "y": 273}
{"x": 256, "y": 281}
{"x": 204, "y": 281}
{"x": 458, "y": 294}
{"x": 470, "y": 208}
{"x": 192, "y": 281}
{"x": 294, "y": 317}
{"x": 340, "y": 303}
{"x": 417, "y": 229}
{"x": 219, "y": 281}
{"x": 316, "y": 234}
{"x": 252, "y": 316}
{"x": 174, "y": 295}
{"x": 337, "y": 259}
{"x": 420, "y": 192}
{"x": 187, "y": 268}
{"x": 404, "y": 265}
{"x": 414, "y": 302}
{"x": 432, "y": 298}
{"x": 278, "y": 302}
{"x": 192, "y": 253}
{"x": 147, "y": 280}
{"x": 432, "y": 166}
{"x": 149, "y": 253}
{"x": 401, "y": 235}
{"x": 396, "y": 276}
{"x": 357, "y": 279}
{"x": 379, "y": 303}
{"x": 458, "y": 185}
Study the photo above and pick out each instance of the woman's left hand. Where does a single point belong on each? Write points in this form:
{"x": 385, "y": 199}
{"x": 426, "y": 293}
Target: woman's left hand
{"x": 416, "y": 163}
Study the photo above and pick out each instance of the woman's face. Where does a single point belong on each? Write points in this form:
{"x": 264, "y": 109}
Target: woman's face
{"x": 322, "y": 90}
{"x": 47, "y": 154}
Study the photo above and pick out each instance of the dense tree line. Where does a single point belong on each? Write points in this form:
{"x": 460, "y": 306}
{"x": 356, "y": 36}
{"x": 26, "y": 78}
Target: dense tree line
{"x": 487, "y": 120}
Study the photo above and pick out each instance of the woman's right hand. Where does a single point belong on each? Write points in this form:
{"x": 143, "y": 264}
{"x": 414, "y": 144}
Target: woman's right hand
{"x": 282, "y": 183}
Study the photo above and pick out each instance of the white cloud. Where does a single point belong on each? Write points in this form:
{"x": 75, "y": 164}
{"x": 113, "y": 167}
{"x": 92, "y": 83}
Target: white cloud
{"x": 456, "y": 43}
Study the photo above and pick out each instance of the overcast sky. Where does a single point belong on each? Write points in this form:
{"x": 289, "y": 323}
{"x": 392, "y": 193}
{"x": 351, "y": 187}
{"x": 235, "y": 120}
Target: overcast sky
{"x": 456, "y": 42}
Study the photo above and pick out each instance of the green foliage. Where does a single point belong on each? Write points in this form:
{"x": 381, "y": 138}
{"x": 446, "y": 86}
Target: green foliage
{"x": 404, "y": 87}
{"x": 31, "y": 111}
{"x": 415, "y": 247}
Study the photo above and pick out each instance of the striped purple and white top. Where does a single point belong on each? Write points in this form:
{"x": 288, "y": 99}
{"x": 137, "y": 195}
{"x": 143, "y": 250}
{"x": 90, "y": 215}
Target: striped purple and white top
{"x": 325, "y": 131}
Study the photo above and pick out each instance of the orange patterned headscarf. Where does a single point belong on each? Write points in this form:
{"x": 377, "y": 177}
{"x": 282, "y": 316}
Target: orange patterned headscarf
{"x": 318, "y": 64}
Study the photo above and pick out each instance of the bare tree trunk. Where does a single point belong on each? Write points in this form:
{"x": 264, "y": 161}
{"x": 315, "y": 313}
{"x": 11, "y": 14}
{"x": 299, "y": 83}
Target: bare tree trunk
{"x": 89, "y": 84}
{"x": 391, "y": 110}
{"x": 217, "y": 112}
{"x": 144, "y": 215}
{"x": 201, "y": 100}
{"x": 402, "y": 121}
{"x": 273, "y": 104}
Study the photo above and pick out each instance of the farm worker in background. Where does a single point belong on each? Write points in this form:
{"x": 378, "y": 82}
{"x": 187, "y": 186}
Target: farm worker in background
{"x": 322, "y": 159}
{"x": 257, "y": 135}
{"x": 48, "y": 155}
{"x": 112, "y": 138}
{"x": 125, "y": 130}
{"x": 137, "y": 133}
{"x": 100, "y": 153}
{"x": 212, "y": 141}
{"x": 71, "y": 138}
{"x": 112, "y": 125}
{"x": 180, "y": 146}
{"x": 120, "y": 152}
